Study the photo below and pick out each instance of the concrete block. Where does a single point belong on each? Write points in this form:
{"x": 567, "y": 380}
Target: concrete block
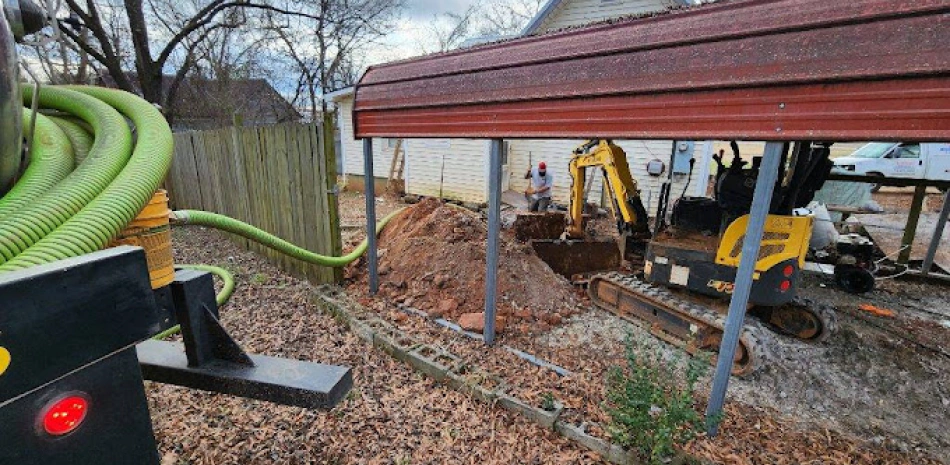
{"x": 476, "y": 382}
{"x": 545, "y": 418}
{"x": 432, "y": 361}
{"x": 402, "y": 345}
{"x": 577, "y": 434}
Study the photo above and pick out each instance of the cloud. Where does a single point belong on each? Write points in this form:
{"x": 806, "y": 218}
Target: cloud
{"x": 424, "y": 9}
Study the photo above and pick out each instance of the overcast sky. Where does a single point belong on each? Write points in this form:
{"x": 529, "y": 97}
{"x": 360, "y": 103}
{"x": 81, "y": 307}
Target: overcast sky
{"x": 406, "y": 40}
{"x": 424, "y": 9}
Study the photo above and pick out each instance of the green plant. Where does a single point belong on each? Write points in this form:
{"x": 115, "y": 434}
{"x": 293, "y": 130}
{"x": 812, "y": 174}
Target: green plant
{"x": 547, "y": 401}
{"x": 650, "y": 403}
{"x": 259, "y": 278}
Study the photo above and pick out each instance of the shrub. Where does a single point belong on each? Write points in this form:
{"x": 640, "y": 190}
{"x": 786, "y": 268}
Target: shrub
{"x": 651, "y": 401}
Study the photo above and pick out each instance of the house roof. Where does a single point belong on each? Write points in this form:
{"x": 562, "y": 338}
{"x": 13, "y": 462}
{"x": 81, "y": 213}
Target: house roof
{"x": 339, "y": 94}
{"x": 209, "y": 99}
{"x": 551, "y": 6}
{"x": 744, "y": 69}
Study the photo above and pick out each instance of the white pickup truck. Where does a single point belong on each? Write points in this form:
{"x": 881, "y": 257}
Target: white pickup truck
{"x": 898, "y": 160}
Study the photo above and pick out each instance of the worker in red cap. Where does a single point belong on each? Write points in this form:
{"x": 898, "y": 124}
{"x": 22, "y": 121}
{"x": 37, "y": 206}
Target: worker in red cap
{"x": 539, "y": 190}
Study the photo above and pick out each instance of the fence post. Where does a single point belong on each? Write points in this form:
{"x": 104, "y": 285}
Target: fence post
{"x": 333, "y": 189}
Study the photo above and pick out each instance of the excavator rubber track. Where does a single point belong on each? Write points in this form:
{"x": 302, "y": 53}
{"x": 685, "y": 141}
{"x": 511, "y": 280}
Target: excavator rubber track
{"x": 803, "y": 319}
{"x": 680, "y": 322}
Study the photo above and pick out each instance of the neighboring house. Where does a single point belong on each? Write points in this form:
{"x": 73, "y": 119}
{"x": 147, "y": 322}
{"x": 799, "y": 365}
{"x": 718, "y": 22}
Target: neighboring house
{"x": 458, "y": 168}
{"x": 209, "y": 104}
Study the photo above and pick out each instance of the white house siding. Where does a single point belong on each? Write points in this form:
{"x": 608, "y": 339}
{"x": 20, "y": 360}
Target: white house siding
{"x": 448, "y": 168}
{"x": 580, "y": 12}
{"x": 557, "y": 155}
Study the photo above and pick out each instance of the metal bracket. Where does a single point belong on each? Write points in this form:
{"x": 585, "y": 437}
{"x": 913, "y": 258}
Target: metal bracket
{"x": 211, "y": 360}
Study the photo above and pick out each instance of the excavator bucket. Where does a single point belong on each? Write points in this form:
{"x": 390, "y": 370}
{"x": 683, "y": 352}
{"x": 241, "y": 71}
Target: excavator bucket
{"x": 572, "y": 257}
{"x": 538, "y": 226}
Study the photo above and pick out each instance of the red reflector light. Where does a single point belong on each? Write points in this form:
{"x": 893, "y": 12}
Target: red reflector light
{"x": 65, "y": 415}
{"x": 785, "y": 286}
{"x": 789, "y": 269}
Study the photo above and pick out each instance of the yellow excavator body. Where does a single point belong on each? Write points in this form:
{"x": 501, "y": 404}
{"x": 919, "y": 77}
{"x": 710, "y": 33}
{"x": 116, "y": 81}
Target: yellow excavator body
{"x": 682, "y": 321}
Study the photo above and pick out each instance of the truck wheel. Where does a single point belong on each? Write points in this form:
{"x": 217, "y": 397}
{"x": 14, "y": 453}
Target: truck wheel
{"x": 853, "y": 279}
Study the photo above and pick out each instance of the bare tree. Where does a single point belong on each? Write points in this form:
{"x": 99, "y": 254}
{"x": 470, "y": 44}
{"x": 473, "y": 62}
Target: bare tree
{"x": 120, "y": 33}
{"x": 217, "y": 70}
{"x": 448, "y": 30}
{"x": 58, "y": 62}
{"x": 324, "y": 53}
{"x": 508, "y": 17}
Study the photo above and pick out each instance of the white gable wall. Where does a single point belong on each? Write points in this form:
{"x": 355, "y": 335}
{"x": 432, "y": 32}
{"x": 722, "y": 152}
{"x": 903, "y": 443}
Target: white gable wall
{"x": 579, "y": 12}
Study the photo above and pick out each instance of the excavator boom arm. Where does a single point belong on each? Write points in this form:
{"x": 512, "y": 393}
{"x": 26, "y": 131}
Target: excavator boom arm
{"x": 620, "y": 184}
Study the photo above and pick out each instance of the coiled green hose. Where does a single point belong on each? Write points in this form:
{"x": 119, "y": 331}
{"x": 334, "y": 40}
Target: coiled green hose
{"x": 231, "y": 225}
{"x": 51, "y": 160}
{"x": 108, "y": 156}
{"x": 56, "y": 212}
{"x": 78, "y": 136}
{"x": 105, "y": 216}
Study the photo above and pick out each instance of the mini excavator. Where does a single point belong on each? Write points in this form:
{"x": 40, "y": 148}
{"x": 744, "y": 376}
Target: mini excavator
{"x": 699, "y": 251}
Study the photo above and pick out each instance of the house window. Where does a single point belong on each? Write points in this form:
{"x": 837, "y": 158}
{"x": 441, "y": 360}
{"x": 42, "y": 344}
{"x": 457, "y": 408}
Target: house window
{"x": 391, "y": 143}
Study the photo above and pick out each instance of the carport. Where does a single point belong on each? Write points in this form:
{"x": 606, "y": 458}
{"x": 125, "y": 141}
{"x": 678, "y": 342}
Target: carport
{"x": 770, "y": 70}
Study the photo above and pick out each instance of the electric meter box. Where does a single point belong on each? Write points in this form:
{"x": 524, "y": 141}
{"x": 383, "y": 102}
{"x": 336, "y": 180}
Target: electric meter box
{"x": 682, "y": 154}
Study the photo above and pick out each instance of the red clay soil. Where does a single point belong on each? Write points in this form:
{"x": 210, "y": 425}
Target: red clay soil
{"x": 433, "y": 259}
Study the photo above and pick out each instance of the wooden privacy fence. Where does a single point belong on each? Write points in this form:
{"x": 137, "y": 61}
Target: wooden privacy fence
{"x": 279, "y": 178}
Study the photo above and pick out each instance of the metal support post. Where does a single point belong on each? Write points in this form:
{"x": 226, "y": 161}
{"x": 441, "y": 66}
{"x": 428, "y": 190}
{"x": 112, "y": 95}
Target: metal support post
{"x": 369, "y": 183}
{"x": 761, "y": 201}
{"x": 494, "y": 227}
{"x": 938, "y": 235}
{"x": 910, "y": 230}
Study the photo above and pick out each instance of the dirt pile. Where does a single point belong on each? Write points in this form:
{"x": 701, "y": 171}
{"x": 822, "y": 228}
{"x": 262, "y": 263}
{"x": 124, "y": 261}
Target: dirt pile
{"x": 433, "y": 259}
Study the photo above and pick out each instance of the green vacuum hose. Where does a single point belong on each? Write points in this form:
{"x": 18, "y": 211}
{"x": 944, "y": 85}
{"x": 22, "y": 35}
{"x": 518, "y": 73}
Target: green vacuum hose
{"x": 231, "y": 225}
{"x": 78, "y": 136}
{"x": 51, "y": 160}
{"x": 119, "y": 202}
{"x": 23, "y": 229}
{"x": 222, "y": 298}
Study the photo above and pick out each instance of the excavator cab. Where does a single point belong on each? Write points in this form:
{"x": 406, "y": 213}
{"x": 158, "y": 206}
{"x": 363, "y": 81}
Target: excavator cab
{"x": 690, "y": 254}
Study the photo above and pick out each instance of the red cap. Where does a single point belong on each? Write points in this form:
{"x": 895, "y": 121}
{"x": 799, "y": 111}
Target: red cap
{"x": 542, "y": 166}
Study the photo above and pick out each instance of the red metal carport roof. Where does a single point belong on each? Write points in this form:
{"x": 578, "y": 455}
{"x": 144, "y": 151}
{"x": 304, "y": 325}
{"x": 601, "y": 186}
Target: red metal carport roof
{"x": 745, "y": 69}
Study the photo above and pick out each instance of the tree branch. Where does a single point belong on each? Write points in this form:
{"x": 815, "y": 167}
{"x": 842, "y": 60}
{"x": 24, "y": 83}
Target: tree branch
{"x": 206, "y": 15}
